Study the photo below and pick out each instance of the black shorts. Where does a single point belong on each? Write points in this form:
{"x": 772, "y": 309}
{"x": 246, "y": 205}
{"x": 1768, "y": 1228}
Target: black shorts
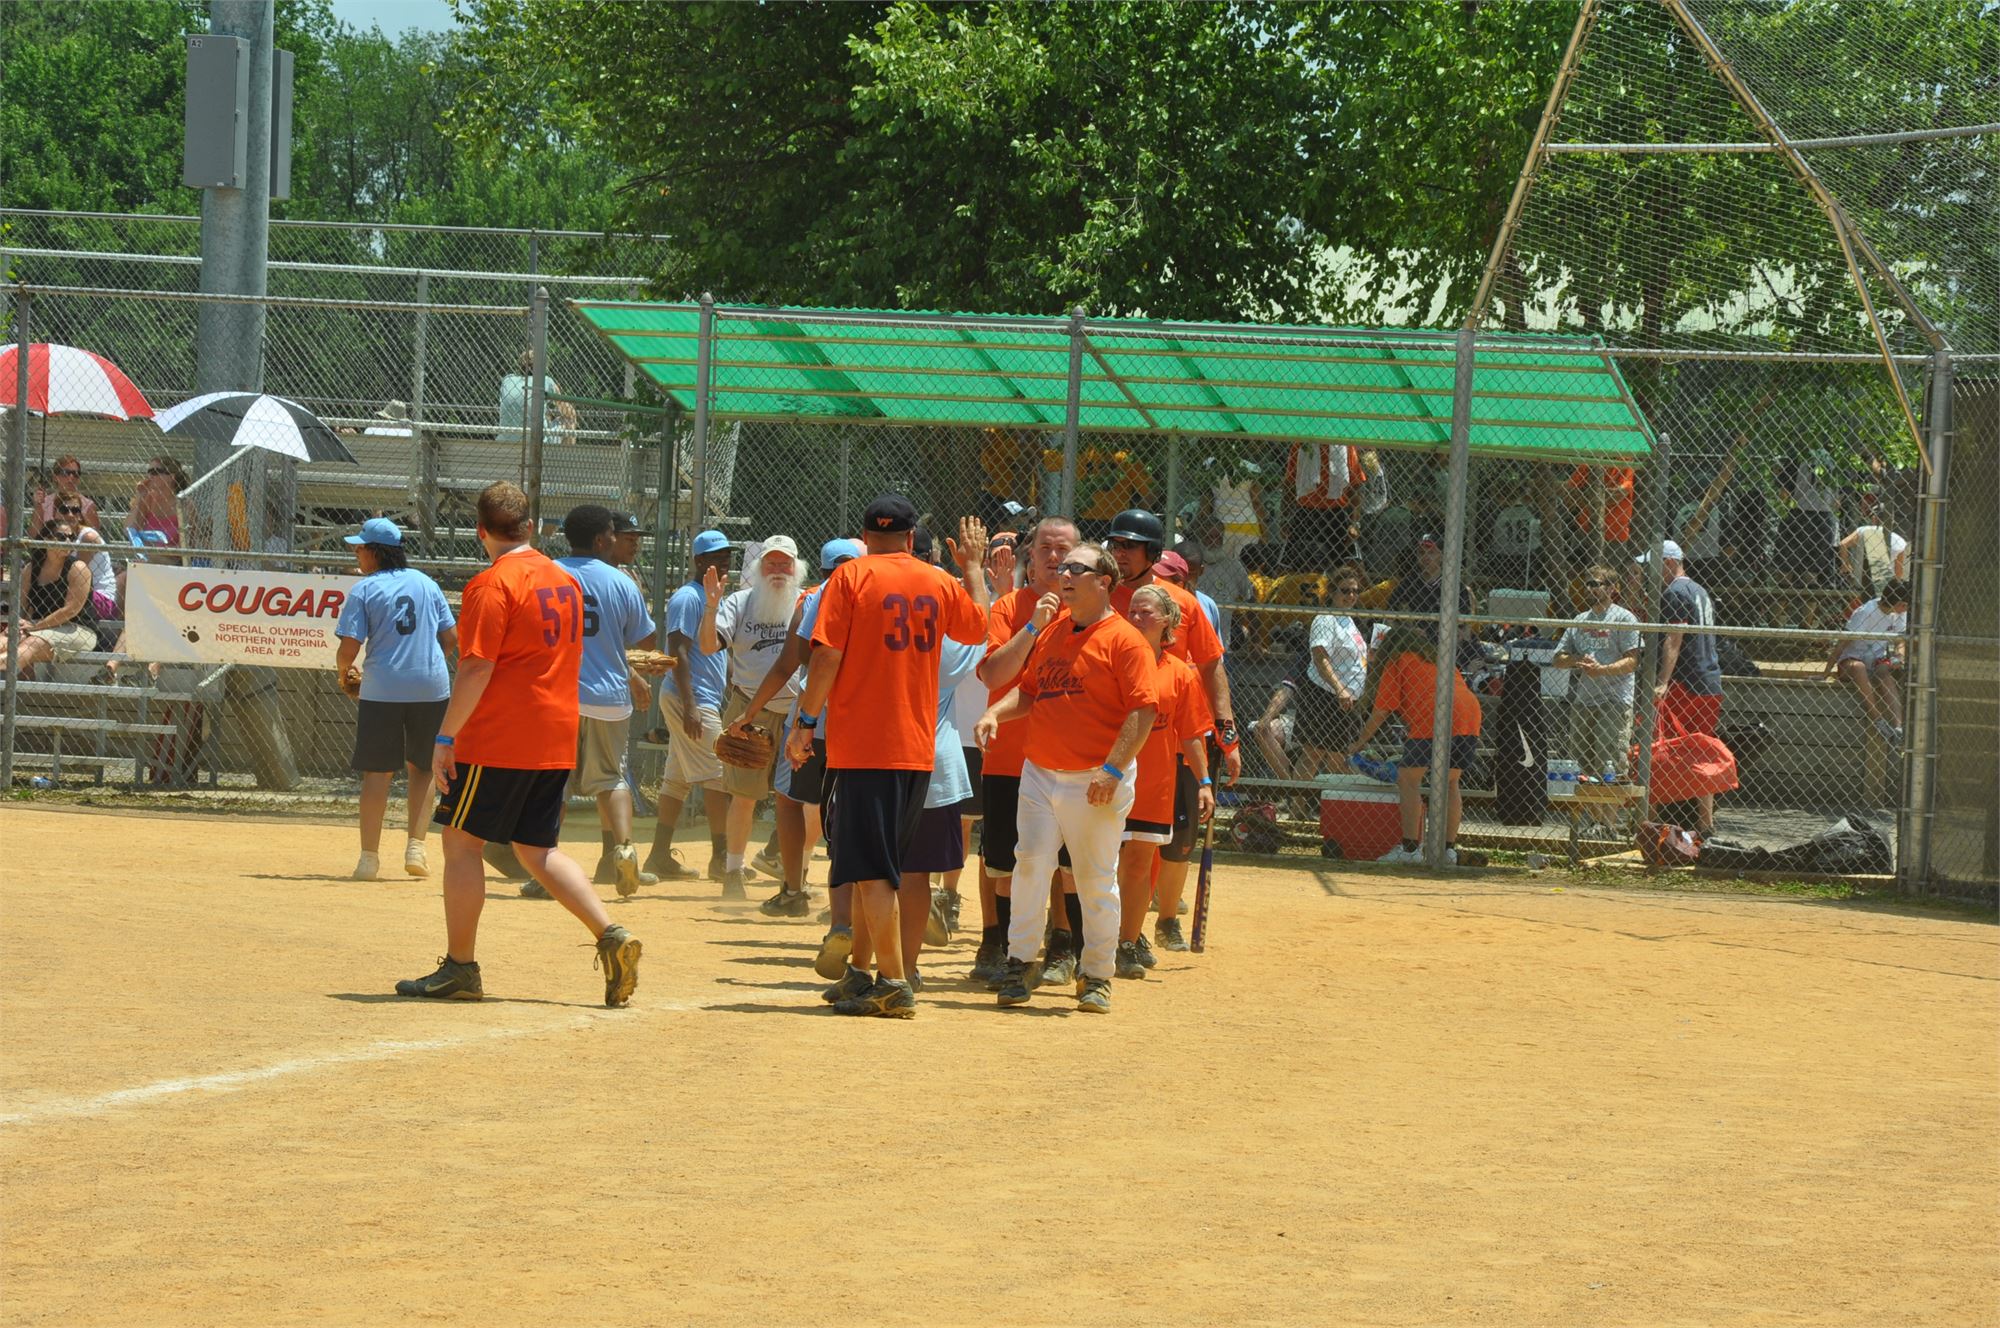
{"x": 939, "y": 844}
{"x": 871, "y": 821}
{"x": 391, "y": 734}
{"x": 1322, "y": 723}
{"x": 1000, "y": 830}
{"x": 975, "y": 768}
{"x": 503, "y": 806}
{"x": 808, "y": 782}
{"x": 1187, "y": 801}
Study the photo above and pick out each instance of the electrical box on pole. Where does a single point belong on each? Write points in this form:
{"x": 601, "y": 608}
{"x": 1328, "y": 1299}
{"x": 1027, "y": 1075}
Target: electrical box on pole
{"x": 281, "y": 124}
{"x": 216, "y": 123}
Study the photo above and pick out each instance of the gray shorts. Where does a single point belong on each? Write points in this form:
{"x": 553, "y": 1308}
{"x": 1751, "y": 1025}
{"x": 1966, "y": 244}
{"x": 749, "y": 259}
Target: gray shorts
{"x": 1601, "y": 735}
{"x": 739, "y": 782}
{"x": 600, "y": 755}
{"x": 691, "y": 762}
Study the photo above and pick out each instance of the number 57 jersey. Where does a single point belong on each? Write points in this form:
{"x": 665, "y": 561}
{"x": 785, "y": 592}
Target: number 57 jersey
{"x": 887, "y": 614}
{"x": 525, "y": 614}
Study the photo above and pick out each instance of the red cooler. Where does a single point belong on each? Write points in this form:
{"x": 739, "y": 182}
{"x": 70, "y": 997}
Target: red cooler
{"x": 1359, "y": 817}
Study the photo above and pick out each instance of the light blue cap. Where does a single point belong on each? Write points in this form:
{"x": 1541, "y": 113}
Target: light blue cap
{"x": 710, "y": 541}
{"x": 837, "y": 551}
{"x": 376, "y": 530}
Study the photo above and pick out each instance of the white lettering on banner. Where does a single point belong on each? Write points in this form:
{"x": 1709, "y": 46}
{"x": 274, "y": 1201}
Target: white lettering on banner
{"x": 205, "y": 615}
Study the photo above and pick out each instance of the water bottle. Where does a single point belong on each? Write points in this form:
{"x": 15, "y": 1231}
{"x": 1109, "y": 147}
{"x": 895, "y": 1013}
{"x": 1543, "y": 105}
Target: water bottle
{"x": 1610, "y": 775}
{"x": 41, "y": 782}
{"x": 1385, "y": 771}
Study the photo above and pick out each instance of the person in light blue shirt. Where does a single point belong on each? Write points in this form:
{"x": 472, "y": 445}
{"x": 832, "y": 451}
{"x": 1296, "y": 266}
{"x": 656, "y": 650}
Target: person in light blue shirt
{"x": 614, "y": 620}
{"x": 691, "y": 710}
{"x": 401, "y": 617}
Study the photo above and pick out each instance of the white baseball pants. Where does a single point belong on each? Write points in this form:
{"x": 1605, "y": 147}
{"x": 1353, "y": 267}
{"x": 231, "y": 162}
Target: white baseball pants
{"x": 1055, "y": 811}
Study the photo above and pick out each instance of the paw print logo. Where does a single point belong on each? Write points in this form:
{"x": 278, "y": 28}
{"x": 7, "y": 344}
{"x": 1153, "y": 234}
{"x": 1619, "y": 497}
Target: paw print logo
{"x": 191, "y": 634}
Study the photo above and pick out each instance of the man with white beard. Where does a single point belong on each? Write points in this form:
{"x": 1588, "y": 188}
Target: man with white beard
{"x": 751, "y": 624}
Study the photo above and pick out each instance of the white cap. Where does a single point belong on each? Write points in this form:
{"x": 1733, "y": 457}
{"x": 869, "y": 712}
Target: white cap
{"x": 1668, "y": 548}
{"x": 779, "y": 544}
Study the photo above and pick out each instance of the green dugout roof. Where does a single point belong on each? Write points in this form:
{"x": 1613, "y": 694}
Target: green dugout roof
{"x": 1556, "y": 398}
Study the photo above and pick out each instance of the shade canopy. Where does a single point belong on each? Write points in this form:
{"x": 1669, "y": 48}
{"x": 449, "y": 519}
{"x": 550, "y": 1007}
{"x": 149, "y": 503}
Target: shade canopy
{"x": 1557, "y": 398}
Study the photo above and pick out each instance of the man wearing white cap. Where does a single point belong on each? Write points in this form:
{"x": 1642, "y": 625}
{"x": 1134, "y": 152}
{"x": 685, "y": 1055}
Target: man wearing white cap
{"x": 1689, "y": 690}
{"x": 752, "y": 624}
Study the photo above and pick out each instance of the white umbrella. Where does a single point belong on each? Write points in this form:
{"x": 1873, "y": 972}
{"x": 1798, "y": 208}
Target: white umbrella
{"x": 250, "y": 419}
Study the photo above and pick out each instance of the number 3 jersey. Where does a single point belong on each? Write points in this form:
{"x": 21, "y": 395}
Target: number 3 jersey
{"x": 887, "y": 614}
{"x": 397, "y": 616}
{"x": 526, "y": 615}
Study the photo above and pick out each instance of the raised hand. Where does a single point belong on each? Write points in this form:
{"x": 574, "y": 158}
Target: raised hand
{"x": 969, "y": 549}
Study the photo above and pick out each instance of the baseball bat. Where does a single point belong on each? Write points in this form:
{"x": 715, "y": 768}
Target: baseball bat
{"x": 1198, "y": 938}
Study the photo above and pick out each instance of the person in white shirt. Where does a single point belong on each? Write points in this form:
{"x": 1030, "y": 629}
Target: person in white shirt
{"x": 1329, "y": 697}
{"x": 1871, "y": 555}
{"x": 1603, "y": 649}
{"x": 1870, "y": 666}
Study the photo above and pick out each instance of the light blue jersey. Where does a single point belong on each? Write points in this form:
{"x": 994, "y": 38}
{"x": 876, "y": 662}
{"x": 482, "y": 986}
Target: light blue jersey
{"x": 397, "y": 616}
{"x": 1212, "y": 609}
{"x": 950, "y": 783}
{"x": 614, "y": 620}
{"x": 808, "y": 615}
{"x": 707, "y": 671}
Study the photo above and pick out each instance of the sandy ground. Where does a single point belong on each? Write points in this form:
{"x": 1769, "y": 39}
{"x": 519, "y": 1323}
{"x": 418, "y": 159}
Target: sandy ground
{"x": 1376, "y": 1100}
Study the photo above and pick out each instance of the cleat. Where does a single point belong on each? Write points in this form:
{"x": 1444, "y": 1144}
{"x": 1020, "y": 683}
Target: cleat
{"x": 937, "y": 926}
{"x": 884, "y": 1000}
{"x": 854, "y": 982}
{"x": 786, "y": 904}
{"x": 1401, "y": 854}
{"x": 1167, "y": 931}
{"x": 1145, "y": 950}
{"x": 768, "y": 863}
{"x": 833, "y": 952}
{"x": 1014, "y": 983}
{"x": 715, "y": 867}
{"x": 618, "y": 954}
{"x": 732, "y": 885}
{"x": 414, "y": 861}
{"x": 916, "y": 979}
{"x": 453, "y": 981}
{"x": 1059, "y": 964}
{"x": 990, "y": 964}
{"x": 368, "y": 868}
{"x": 951, "y": 913}
{"x": 534, "y": 890}
{"x": 607, "y": 870}
{"x": 665, "y": 864}
{"x": 1127, "y": 963}
{"x": 1093, "y": 996}
{"x": 626, "y": 871}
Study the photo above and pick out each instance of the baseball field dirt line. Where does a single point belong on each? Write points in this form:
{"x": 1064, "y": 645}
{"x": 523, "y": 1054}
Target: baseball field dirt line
{"x": 1415, "y": 1101}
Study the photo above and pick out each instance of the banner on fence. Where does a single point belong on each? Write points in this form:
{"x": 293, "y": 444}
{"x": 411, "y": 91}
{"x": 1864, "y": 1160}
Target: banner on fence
{"x": 205, "y": 615}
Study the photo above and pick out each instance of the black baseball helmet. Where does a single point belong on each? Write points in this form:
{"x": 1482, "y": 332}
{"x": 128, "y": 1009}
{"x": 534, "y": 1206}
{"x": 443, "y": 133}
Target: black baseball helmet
{"x": 1140, "y": 526}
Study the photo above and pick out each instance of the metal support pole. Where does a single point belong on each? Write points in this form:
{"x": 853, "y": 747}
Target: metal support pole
{"x": 1449, "y": 584}
{"x": 703, "y": 374}
{"x": 423, "y": 482}
{"x": 1644, "y": 707}
{"x": 842, "y": 514}
{"x": 663, "y": 512}
{"x": 1913, "y": 838}
{"x": 538, "y": 349}
{"x": 1072, "y": 413}
{"x": 17, "y": 527}
{"x": 1173, "y": 499}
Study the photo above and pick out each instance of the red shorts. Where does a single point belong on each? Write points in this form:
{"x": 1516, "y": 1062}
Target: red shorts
{"x": 1683, "y": 711}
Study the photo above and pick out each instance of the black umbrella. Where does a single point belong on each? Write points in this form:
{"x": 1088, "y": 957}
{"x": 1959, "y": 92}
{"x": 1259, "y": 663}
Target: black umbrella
{"x": 247, "y": 419}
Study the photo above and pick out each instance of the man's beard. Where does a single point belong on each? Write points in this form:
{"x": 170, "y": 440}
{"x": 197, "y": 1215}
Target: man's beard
{"x": 772, "y": 598}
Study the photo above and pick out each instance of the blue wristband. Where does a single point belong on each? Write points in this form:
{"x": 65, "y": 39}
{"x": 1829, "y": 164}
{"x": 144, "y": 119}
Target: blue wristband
{"x": 443, "y": 740}
{"x": 1206, "y": 782}
{"x": 1032, "y": 629}
{"x": 1112, "y": 770}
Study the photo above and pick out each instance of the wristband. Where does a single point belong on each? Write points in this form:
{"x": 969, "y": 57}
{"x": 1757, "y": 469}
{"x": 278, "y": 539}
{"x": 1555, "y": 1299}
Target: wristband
{"x": 444, "y": 740}
{"x": 1032, "y": 629}
{"x": 1206, "y": 782}
{"x": 1225, "y": 734}
{"x": 808, "y": 722}
{"x": 1112, "y": 770}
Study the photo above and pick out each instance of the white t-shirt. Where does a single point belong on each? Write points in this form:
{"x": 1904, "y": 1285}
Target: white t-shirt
{"x": 1346, "y": 649}
{"x": 754, "y": 644}
{"x": 1869, "y": 557}
{"x": 1517, "y": 531}
{"x": 1871, "y": 617}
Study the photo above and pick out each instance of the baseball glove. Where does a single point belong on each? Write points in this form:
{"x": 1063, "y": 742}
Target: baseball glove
{"x": 649, "y": 662}
{"x": 350, "y": 682}
{"x": 752, "y": 749}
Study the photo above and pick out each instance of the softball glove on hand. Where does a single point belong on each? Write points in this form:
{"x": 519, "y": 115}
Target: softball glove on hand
{"x": 350, "y": 682}
{"x": 750, "y": 748}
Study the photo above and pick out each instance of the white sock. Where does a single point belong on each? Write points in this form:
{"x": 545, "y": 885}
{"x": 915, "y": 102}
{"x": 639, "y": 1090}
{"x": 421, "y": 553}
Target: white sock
{"x": 732, "y": 862}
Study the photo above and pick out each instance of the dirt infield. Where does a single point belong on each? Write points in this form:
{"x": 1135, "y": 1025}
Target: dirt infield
{"x": 1376, "y": 1100}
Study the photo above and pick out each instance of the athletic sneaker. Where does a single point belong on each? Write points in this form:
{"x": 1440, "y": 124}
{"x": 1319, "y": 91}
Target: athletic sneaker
{"x": 884, "y": 1000}
{"x": 1401, "y": 854}
{"x": 414, "y": 861}
{"x": 951, "y": 912}
{"x": 1127, "y": 963}
{"x": 732, "y": 885}
{"x": 852, "y": 983}
{"x": 368, "y": 867}
{"x": 1167, "y": 931}
{"x": 1059, "y": 963}
{"x": 618, "y": 954}
{"x": 769, "y": 863}
{"x": 1093, "y": 996}
{"x": 1014, "y": 983}
{"x": 607, "y": 869}
{"x": 916, "y": 980}
{"x": 666, "y": 864}
{"x": 1890, "y": 733}
{"x": 1145, "y": 948}
{"x": 786, "y": 904}
{"x": 833, "y": 952}
{"x": 990, "y": 964}
{"x": 937, "y": 928}
{"x": 716, "y": 870}
{"x": 453, "y": 981}
{"x": 625, "y": 861}
{"x": 534, "y": 890}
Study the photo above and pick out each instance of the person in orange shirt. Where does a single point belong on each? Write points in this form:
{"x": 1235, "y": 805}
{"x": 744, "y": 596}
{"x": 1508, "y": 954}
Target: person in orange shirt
{"x": 1619, "y": 483}
{"x": 1087, "y": 699}
{"x": 1180, "y": 724}
{"x": 1136, "y": 540}
{"x": 875, "y": 669}
{"x": 1402, "y": 680}
{"x": 506, "y": 745}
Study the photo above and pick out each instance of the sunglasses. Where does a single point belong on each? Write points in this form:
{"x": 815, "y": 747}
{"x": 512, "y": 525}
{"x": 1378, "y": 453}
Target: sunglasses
{"x": 69, "y": 511}
{"x": 1082, "y": 569}
{"x": 69, "y": 470}
{"x": 1600, "y": 582}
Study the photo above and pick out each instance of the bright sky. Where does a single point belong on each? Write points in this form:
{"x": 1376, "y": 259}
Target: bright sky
{"x": 394, "y": 16}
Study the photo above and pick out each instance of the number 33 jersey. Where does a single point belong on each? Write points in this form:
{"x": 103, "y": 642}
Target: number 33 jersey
{"x": 526, "y": 615}
{"x": 887, "y": 614}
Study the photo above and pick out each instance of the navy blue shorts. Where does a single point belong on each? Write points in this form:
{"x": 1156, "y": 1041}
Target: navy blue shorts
{"x": 871, "y": 822}
{"x": 503, "y": 806}
{"x": 1417, "y": 751}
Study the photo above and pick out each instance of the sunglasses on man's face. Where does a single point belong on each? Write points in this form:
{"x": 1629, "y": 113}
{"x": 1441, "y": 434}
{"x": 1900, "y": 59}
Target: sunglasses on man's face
{"x": 69, "y": 470}
{"x": 1082, "y": 569}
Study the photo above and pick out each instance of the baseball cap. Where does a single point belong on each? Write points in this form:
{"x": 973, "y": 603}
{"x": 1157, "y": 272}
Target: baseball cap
{"x": 837, "y": 551}
{"x": 710, "y": 541}
{"x": 623, "y": 523}
{"x": 780, "y": 544}
{"x": 1668, "y": 548}
{"x": 1429, "y": 539}
{"x": 1171, "y": 565}
{"x": 922, "y": 543}
{"x": 376, "y": 530}
{"x": 888, "y": 515}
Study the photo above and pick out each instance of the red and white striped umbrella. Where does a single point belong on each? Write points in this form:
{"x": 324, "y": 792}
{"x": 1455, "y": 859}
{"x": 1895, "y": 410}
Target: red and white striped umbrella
{"x": 63, "y": 380}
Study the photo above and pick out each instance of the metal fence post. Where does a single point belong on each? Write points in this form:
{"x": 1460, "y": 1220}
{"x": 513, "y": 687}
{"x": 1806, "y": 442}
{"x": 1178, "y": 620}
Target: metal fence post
{"x": 538, "y": 349}
{"x": 1450, "y": 581}
{"x": 704, "y": 355}
{"x": 17, "y": 525}
{"x": 663, "y": 511}
{"x": 1173, "y": 499}
{"x": 1072, "y": 413}
{"x": 1913, "y": 833}
{"x": 841, "y": 512}
{"x": 424, "y": 481}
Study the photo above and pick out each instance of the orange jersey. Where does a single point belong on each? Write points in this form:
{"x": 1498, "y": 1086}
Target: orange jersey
{"x": 1409, "y": 687}
{"x": 887, "y": 613}
{"x": 526, "y": 615}
{"x": 1008, "y": 616}
{"x": 1084, "y": 682}
{"x": 1195, "y": 640}
{"x": 1183, "y": 713}
{"x": 1617, "y": 507}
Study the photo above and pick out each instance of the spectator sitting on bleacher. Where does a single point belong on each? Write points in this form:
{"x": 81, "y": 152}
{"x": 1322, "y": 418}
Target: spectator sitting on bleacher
{"x": 56, "y": 619}
{"x": 155, "y": 504}
{"x": 68, "y": 476}
{"x": 103, "y": 580}
{"x": 558, "y": 417}
{"x": 1872, "y": 555}
{"x": 1603, "y": 647}
{"x": 1870, "y": 666}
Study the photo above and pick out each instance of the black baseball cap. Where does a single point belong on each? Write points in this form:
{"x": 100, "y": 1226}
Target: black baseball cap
{"x": 888, "y": 515}
{"x": 623, "y": 523}
{"x": 923, "y": 544}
